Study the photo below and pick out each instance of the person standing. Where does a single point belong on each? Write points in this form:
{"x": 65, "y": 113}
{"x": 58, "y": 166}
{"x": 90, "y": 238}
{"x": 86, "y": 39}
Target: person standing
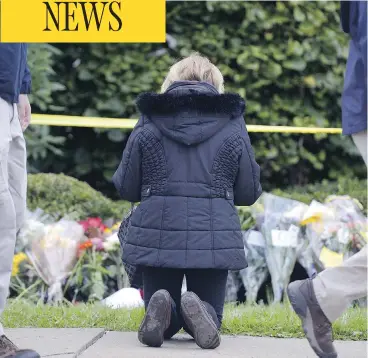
{"x": 321, "y": 300}
{"x": 15, "y": 114}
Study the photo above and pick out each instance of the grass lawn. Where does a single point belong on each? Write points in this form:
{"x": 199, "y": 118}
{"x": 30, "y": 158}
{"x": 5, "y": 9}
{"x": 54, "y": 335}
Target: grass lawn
{"x": 272, "y": 321}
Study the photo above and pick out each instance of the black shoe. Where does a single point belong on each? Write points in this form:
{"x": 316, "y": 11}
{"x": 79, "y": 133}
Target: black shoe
{"x": 316, "y": 326}
{"x": 156, "y": 320}
{"x": 9, "y": 350}
{"x": 199, "y": 321}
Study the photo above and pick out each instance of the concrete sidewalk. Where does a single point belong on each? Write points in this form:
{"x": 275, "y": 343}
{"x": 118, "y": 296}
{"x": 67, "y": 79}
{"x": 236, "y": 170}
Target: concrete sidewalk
{"x": 96, "y": 343}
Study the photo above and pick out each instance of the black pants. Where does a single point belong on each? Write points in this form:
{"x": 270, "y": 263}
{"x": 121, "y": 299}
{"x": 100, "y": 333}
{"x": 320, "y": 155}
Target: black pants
{"x": 208, "y": 284}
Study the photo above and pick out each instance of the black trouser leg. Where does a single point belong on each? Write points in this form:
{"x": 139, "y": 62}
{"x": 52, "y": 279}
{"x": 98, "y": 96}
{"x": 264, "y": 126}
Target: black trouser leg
{"x": 210, "y": 286}
{"x": 171, "y": 280}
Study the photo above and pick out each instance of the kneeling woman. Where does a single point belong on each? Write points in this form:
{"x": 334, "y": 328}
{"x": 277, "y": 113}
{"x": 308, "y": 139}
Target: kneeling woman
{"x": 188, "y": 162}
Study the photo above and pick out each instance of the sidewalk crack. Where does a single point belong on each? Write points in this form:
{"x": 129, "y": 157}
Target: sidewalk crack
{"x": 89, "y": 344}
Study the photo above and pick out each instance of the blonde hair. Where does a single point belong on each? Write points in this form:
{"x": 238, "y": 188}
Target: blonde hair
{"x": 194, "y": 68}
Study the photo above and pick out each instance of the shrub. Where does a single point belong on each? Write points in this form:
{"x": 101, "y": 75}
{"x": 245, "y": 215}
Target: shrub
{"x": 61, "y": 195}
{"x": 355, "y": 188}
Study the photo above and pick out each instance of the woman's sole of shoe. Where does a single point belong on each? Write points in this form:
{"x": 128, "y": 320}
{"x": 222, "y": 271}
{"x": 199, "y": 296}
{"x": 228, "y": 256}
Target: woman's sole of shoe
{"x": 156, "y": 320}
{"x": 300, "y": 307}
{"x": 199, "y": 321}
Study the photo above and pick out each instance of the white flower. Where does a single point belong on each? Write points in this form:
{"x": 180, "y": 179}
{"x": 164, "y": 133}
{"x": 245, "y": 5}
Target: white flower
{"x": 111, "y": 243}
{"x": 113, "y": 238}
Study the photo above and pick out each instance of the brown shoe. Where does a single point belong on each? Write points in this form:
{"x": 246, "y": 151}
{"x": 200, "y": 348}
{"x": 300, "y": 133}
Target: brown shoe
{"x": 9, "y": 350}
{"x": 316, "y": 326}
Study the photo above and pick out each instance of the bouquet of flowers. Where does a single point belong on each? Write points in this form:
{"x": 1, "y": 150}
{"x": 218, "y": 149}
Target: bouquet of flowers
{"x": 335, "y": 229}
{"x": 232, "y": 286}
{"x": 306, "y": 257}
{"x": 257, "y": 271}
{"x": 100, "y": 271}
{"x": 281, "y": 230}
{"x": 350, "y": 213}
{"x": 54, "y": 253}
{"x": 318, "y": 221}
{"x": 33, "y": 228}
{"x": 90, "y": 273}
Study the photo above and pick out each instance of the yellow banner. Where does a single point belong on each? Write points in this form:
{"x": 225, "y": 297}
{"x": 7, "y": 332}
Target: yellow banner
{"x": 83, "y": 21}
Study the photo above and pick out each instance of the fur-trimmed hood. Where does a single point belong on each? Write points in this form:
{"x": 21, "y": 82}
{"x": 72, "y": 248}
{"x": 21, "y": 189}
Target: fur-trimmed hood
{"x": 190, "y": 112}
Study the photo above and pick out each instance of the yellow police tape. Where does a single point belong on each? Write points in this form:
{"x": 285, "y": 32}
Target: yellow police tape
{"x": 126, "y": 123}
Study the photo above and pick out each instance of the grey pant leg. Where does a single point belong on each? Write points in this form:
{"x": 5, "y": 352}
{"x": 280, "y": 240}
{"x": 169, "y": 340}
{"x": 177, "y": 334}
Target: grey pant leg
{"x": 17, "y": 170}
{"x": 13, "y": 183}
{"x": 360, "y": 140}
{"x": 337, "y": 287}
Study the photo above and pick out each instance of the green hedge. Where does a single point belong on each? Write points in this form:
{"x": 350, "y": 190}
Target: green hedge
{"x": 355, "y": 188}
{"x": 62, "y": 195}
{"x": 287, "y": 58}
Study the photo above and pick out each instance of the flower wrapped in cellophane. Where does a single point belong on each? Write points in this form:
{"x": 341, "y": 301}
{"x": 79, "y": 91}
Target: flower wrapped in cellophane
{"x": 284, "y": 238}
{"x": 349, "y": 211}
{"x": 232, "y": 286}
{"x": 33, "y": 228}
{"x": 322, "y": 229}
{"x": 336, "y": 229}
{"x": 257, "y": 271}
{"x": 306, "y": 256}
{"x": 54, "y": 254}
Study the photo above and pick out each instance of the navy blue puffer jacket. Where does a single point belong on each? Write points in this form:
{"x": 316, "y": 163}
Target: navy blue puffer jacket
{"x": 354, "y": 96}
{"x": 189, "y": 161}
{"x": 15, "y": 77}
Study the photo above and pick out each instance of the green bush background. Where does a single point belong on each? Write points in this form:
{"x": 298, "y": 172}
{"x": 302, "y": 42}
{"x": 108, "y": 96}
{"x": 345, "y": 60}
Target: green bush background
{"x": 63, "y": 196}
{"x": 286, "y": 58}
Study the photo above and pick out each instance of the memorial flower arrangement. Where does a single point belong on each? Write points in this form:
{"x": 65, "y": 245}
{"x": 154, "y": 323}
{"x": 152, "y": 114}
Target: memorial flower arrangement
{"x": 66, "y": 260}
{"x": 318, "y": 236}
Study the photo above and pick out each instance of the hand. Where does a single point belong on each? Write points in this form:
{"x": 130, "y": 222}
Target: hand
{"x": 24, "y": 111}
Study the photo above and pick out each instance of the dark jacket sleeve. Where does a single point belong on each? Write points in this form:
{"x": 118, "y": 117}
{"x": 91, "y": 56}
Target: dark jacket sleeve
{"x": 345, "y": 15}
{"x": 247, "y": 188}
{"x": 26, "y": 81}
{"x": 128, "y": 177}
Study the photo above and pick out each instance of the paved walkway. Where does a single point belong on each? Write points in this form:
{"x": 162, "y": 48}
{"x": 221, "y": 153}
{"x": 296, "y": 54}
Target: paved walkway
{"x": 96, "y": 343}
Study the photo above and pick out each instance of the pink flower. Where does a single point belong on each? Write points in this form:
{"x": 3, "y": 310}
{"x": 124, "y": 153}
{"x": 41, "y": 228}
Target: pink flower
{"x": 85, "y": 224}
{"x": 97, "y": 243}
{"x": 94, "y": 222}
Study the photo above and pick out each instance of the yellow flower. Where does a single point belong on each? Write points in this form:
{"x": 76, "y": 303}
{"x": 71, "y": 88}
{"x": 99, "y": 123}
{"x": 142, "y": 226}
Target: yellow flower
{"x": 116, "y": 227}
{"x": 17, "y": 260}
{"x": 107, "y": 231}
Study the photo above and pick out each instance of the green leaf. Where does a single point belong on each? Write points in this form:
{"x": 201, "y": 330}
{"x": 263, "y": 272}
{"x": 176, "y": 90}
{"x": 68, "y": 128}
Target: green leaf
{"x": 299, "y": 14}
{"x": 297, "y": 65}
{"x": 273, "y": 70}
{"x": 116, "y": 135}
